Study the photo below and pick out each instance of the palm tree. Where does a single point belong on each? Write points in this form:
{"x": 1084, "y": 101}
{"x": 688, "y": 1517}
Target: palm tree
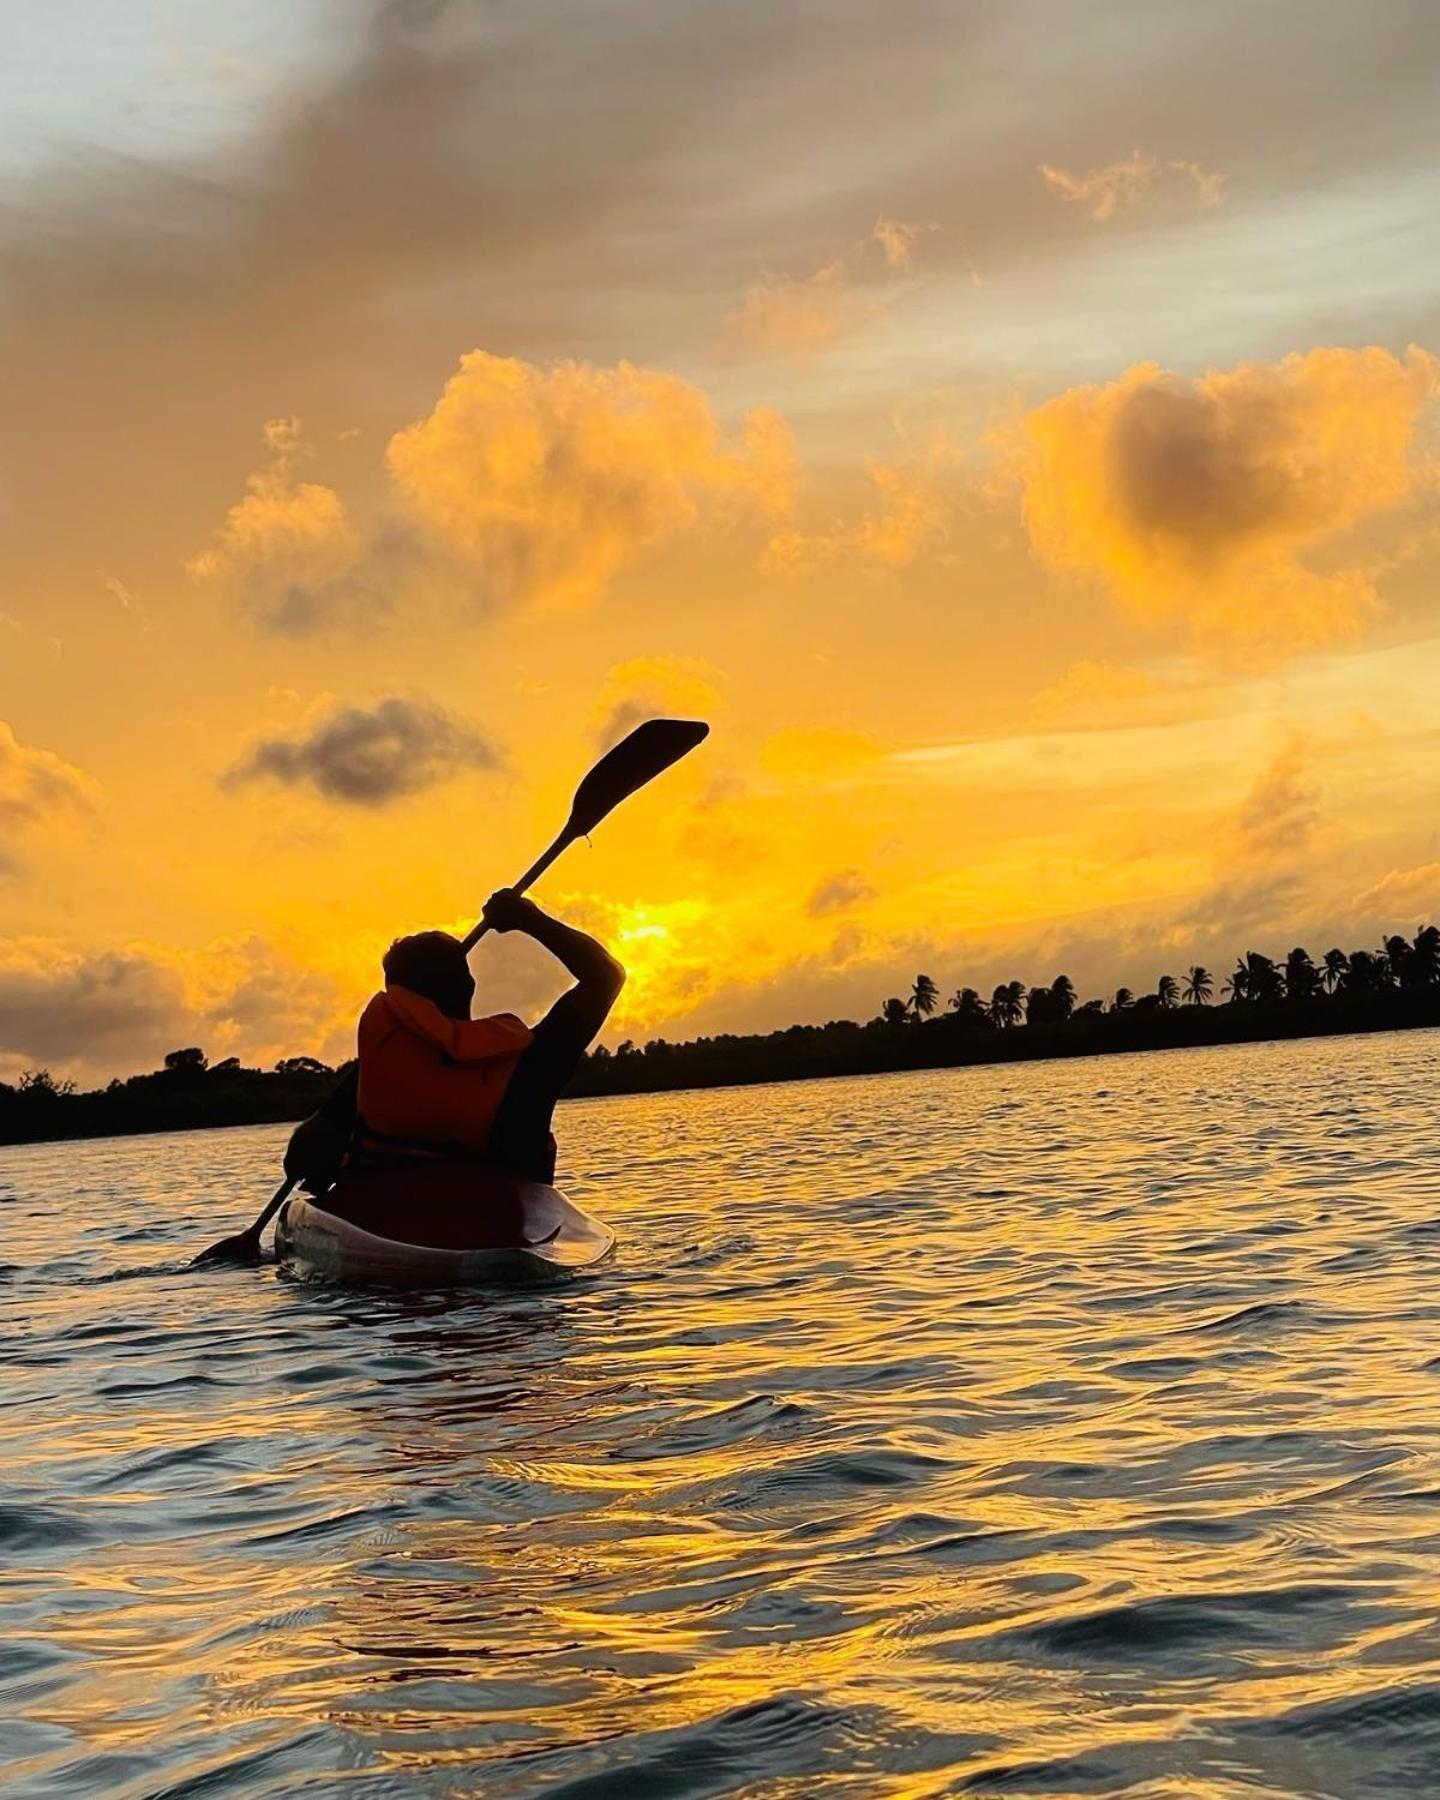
{"x": 1335, "y": 966}
{"x": 1425, "y": 957}
{"x": 895, "y": 1012}
{"x": 1256, "y": 978}
{"x": 1167, "y": 991}
{"x": 923, "y": 996}
{"x": 1366, "y": 973}
{"x": 1007, "y": 1004}
{"x": 1302, "y": 978}
{"x": 1199, "y": 985}
{"x": 1062, "y": 997}
{"x": 966, "y": 1004}
{"x": 1396, "y": 951}
{"x": 1266, "y": 981}
{"x": 1123, "y": 1000}
{"x": 1038, "y": 1010}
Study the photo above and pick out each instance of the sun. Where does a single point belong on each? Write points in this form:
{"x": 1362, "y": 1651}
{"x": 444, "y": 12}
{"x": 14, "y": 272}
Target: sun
{"x": 669, "y": 953}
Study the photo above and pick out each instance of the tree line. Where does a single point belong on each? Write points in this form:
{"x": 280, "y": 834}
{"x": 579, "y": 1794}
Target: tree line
{"x": 1255, "y": 980}
{"x": 1394, "y": 987}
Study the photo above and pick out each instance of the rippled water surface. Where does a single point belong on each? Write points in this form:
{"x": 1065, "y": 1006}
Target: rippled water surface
{"x": 1054, "y": 1429}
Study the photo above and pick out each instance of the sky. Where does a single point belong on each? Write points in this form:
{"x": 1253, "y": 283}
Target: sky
{"x": 1012, "y": 425}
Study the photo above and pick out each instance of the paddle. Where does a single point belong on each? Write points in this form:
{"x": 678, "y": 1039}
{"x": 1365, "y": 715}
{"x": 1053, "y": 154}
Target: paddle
{"x": 637, "y": 759}
{"x": 649, "y": 750}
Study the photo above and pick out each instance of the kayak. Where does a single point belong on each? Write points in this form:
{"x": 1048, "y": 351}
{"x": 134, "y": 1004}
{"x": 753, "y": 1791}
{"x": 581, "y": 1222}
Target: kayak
{"x": 416, "y": 1230}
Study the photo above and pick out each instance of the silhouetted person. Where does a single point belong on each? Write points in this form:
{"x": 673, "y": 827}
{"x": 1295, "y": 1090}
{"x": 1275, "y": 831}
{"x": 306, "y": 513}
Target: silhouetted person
{"x": 433, "y": 1083}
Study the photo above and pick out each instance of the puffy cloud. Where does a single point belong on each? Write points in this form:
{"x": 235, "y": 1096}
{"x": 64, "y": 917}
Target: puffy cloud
{"x": 369, "y": 755}
{"x": 839, "y": 892}
{"x": 92, "y": 1015}
{"x": 547, "y": 481}
{"x": 648, "y": 687}
{"x": 1205, "y": 496}
{"x": 38, "y": 791}
{"x": 522, "y": 484}
{"x": 1112, "y": 187}
{"x": 288, "y": 552}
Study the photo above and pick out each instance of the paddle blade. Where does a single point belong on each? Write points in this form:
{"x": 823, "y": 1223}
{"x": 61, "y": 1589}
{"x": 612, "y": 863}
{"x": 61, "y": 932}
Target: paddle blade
{"x": 241, "y": 1250}
{"x": 649, "y": 750}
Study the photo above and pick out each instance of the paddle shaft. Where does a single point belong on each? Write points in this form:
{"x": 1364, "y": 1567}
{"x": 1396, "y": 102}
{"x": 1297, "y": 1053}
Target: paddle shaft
{"x": 528, "y": 879}
{"x": 277, "y": 1200}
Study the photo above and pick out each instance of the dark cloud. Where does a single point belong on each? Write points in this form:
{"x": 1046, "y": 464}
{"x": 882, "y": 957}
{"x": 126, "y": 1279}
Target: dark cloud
{"x": 370, "y": 755}
{"x": 115, "y": 1005}
{"x": 835, "y": 893}
{"x": 121, "y": 1011}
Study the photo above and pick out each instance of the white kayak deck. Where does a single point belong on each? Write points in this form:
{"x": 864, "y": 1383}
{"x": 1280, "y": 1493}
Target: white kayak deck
{"x": 558, "y": 1239}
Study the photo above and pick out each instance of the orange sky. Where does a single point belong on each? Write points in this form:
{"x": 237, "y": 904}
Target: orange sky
{"x": 1011, "y": 425}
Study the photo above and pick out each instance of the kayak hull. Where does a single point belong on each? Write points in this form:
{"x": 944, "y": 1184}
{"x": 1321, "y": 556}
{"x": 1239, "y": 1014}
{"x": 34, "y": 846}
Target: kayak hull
{"x": 552, "y": 1239}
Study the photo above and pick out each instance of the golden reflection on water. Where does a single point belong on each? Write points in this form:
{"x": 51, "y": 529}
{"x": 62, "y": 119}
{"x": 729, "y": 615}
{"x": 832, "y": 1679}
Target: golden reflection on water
{"x": 1057, "y": 1429}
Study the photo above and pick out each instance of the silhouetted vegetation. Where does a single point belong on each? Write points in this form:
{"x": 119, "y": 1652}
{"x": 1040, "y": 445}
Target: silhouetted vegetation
{"x": 186, "y": 1094}
{"x": 1396, "y": 987}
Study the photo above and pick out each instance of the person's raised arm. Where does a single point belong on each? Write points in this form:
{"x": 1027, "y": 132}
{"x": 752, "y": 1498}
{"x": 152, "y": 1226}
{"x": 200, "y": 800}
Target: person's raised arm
{"x": 598, "y": 976}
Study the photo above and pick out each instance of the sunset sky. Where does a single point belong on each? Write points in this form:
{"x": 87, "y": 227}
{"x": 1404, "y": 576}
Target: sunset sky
{"x": 1013, "y": 425}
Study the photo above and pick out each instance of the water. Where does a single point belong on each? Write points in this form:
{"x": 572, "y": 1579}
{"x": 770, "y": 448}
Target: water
{"x": 1061, "y": 1429}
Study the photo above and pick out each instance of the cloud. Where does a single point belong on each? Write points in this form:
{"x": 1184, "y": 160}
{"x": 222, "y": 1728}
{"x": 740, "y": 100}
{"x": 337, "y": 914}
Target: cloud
{"x": 546, "y": 481}
{"x": 1206, "y": 497}
{"x": 128, "y": 599}
{"x": 522, "y": 484}
{"x": 38, "y": 792}
{"x": 1209, "y": 183}
{"x": 93, "y": 1014}
{"x": 915, "y": 505}
{"x": 650, "y": 687}
{"x": 839, "y": 892}
{"x": 1095, "y": 690}
{"x": 1258, "y": 880}
{"x": 782, "y": 316}
{"x": 1411, "y": 894}
{"x": 1114, "y": 186}
{"x": 897, "y": 240}
{"x": 288, "y": 553}
{"x": 1278, "y": 816}
{"x": 796, "y": 316}
{"x": 369, "y": 755}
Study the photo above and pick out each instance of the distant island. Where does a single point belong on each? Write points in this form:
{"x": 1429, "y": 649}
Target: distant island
{"x": 1396, "y": 987}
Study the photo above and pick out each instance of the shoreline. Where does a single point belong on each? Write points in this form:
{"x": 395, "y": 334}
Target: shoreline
{"x": 225, "y": 1100}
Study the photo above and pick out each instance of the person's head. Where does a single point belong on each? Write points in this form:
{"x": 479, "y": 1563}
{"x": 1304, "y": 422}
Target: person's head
{"x": 433, "y": 963}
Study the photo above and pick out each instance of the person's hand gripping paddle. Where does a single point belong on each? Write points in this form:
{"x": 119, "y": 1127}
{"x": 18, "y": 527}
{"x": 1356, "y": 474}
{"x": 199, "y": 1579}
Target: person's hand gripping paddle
{"x": 648, "y": 751}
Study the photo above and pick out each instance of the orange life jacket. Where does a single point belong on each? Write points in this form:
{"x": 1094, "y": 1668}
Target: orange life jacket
{"x": 430, "y": 1084}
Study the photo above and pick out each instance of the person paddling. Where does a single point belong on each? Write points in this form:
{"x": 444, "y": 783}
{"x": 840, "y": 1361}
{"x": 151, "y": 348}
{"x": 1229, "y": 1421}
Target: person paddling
{"x": 432, "y": 1083}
